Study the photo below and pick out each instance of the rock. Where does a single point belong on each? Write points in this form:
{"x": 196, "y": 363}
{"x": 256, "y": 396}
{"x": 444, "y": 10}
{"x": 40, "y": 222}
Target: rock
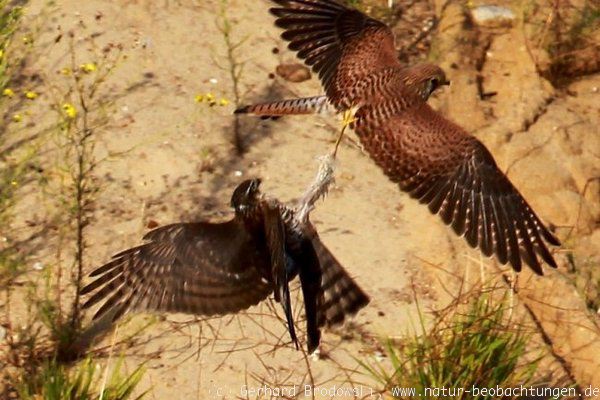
{"x": 294, "y": 72}
{"x": 492, "y": 15}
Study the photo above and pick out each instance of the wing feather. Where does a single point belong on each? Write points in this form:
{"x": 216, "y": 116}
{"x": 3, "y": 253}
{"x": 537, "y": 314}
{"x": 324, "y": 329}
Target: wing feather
{"x": 439, "y": 164}
{"x": 197, "y": 268}
{"x": 339, "y": 43}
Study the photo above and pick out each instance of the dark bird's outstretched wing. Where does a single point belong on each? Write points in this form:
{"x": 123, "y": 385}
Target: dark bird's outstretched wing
{"x": 197, "y": 268}
{"x": 438, "y": 163}
{"x": 341, "y": 44}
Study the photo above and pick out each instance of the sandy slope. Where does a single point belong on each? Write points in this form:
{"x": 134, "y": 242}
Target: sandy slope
{"x": 382, "y": 237}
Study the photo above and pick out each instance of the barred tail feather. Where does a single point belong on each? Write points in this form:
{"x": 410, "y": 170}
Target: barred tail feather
{"x": 342, "y": 297}
{"x": 299, "y": 106}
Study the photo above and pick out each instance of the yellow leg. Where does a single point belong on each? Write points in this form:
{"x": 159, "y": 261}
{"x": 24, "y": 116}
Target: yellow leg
{"x": 347, "y": 119}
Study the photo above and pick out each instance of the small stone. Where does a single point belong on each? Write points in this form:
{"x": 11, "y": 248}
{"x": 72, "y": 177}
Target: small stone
{"x": 295, "y": 72}
{"x": 38, "y": 266}
{"x": 238, "y": 173}
{"x": 492, "y": 14}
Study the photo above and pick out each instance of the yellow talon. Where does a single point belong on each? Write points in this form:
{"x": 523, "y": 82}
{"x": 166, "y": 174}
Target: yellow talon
{"x": 347, "y": 119}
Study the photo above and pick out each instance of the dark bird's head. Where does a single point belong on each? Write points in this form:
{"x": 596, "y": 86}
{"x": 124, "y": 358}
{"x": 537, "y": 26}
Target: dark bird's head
{"x": 245, "y": 196}
{"x": 425, "y": 79}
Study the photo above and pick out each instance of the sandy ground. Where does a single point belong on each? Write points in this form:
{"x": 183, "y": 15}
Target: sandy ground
{"x": 180, "y": 165}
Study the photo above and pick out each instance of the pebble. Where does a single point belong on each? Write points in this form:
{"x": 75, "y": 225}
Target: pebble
{"x": 490, "y": 13}
{"x": 295, "y": 72}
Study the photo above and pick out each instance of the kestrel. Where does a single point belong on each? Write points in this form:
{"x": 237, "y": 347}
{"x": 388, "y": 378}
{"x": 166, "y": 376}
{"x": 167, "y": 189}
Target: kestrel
{"x": 433, "y": 159}
{"x": 206, "y": 268}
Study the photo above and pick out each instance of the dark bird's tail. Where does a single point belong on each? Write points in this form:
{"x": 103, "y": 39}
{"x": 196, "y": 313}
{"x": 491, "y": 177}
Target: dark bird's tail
{"x": 299, "y": 106}
{"x": 342, "y": 296}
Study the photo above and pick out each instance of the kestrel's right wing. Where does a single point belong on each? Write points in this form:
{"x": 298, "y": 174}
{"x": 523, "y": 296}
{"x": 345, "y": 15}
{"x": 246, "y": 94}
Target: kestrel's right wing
{"x": 341, "y": 44}
{"x": 196, "y": 268}
{"x": 438, "y": 163}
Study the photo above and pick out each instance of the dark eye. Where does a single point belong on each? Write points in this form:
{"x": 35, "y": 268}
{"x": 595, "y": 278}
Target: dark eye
{"x": 435, "y": 83}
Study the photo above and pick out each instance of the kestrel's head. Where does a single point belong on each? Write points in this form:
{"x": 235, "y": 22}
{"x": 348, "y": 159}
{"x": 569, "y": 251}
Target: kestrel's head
{"x": 425, "y": 79}
{"x": 245, "y": 196}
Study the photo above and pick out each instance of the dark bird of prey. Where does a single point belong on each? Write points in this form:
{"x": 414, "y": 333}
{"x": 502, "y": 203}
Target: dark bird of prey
{"x": 208, "y": 268}
{"x": 433, "y": 159}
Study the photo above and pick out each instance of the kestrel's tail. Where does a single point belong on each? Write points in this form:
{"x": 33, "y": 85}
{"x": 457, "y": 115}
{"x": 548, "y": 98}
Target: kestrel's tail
{"x": 306, "y": 105}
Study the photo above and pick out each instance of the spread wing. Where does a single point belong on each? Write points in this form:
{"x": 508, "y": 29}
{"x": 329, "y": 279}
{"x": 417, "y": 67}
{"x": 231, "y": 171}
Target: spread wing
{"x": 342, "y": 45}
{"x": 341, "y": 295}
{"x": 275, "y": 233}
{"x": 196, "y": 268}
{"x": 439, "y": 164}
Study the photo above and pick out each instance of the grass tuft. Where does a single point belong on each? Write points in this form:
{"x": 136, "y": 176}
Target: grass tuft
{"x": 55, "y": 381}
{"x": 477, "y": 347}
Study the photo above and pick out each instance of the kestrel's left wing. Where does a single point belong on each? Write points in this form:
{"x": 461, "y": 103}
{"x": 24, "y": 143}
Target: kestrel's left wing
{"x": 438, "y": 163}
{"x": 276, "y": 242}
{"x": 341, "y": 44}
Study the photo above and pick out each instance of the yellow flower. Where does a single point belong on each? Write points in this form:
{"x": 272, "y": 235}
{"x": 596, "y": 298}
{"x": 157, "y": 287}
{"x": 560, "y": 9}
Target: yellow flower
{"x": 8, "y": 92}
{"x": 13, "y": 182}
{"x": 199, "y": 98}
{"x": 31, "y": 94}
{"x": 69, "y": 110}
{"x": 27, "y": 40}
{"x": 1, "y": 53}
{"x": 223, "y": 102}
{"x": 88, "y": 67}
{"x": 66, "y": 71}
{"x": 17, "y": 118}
{"x": 210, "y": 97}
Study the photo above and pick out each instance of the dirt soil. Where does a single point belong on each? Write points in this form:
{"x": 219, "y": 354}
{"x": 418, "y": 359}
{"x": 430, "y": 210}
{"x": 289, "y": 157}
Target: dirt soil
{"x": 179, "y": 164}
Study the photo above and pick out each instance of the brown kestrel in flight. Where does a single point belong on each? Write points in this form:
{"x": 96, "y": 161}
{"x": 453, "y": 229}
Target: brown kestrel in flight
{"x": 206, "y": 268}
{"x": 433, "y": 159}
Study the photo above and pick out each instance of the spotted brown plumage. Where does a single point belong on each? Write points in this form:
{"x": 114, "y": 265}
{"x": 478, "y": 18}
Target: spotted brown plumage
{"x": 209, "y": 268}
{"x": 430, "y": 157}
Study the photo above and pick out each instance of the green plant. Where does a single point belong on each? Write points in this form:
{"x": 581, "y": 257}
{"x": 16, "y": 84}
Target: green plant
{"x": 47, "y": 335}
{"x": 9, "y": 21}
{"x": 477, "y": 348}
{"x": 234, "y": 67}
{"x": 54, "y": 381}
